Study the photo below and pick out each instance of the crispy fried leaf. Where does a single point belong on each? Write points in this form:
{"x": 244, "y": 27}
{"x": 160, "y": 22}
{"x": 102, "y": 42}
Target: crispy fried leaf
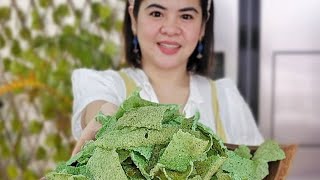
{"x": 105, "y": 164}
{"x": 269, "y": 151}
{"x": 183, "y": 149}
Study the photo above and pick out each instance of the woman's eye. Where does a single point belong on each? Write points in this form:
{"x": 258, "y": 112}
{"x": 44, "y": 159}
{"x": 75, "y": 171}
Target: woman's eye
{"x": 186, "y": 16}
{"x": 155, "y": 14}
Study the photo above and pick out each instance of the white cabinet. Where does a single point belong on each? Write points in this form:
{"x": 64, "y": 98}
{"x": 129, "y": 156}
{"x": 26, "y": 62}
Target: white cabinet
{"x": 290, "y": 79}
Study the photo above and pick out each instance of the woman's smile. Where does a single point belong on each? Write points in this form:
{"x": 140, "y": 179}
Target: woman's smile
{"x": 169, "y": 47}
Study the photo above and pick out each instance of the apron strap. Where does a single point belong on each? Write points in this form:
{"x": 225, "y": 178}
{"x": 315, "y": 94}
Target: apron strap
{"x": 129, "y": 82}
{"x": 216, "y": 111}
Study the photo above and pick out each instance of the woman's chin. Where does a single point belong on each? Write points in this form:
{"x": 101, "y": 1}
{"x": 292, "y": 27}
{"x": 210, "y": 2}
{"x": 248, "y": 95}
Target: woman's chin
{"x": 168, "y": 65}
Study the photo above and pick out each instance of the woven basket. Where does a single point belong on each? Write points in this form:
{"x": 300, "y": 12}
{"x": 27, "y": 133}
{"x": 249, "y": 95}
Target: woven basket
{"x": 278, "y": 170}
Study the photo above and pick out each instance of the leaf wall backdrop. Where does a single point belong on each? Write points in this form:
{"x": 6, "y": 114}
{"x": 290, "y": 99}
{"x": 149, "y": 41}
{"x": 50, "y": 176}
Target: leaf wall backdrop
{"x": 41, "y": 42}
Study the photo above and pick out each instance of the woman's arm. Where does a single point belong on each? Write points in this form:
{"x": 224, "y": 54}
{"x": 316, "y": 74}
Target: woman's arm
{"x": 94, "y": 108}
{"x": 91, "y": 89}
{"x": 88, "y": 123}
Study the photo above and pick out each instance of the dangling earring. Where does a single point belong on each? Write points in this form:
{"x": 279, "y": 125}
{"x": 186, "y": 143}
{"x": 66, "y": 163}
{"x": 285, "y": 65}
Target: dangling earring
{"x": 135, "y": 43}
{"x": 200, "y": 50}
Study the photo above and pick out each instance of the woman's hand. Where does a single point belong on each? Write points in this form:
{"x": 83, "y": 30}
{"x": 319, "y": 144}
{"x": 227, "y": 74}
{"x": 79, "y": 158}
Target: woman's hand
{"x": 89, "y": 124}
{"x": 88, "y": 133}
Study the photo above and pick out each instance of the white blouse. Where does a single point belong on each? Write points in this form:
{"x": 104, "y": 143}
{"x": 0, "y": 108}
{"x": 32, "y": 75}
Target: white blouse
{"x": 90, "y": 85}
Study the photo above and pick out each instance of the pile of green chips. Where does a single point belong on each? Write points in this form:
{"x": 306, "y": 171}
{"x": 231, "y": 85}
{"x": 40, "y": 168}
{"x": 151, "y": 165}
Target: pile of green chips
{"x": 146, "y": 140}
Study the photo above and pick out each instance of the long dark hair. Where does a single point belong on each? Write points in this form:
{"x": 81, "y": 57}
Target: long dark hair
{"x": 201, "y": 66}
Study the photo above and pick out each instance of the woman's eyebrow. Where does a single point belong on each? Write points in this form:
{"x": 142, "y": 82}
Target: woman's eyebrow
{"x": 189, "y": 9}
{"x": 180, "y": 10}
{"x": 156, "y": 6}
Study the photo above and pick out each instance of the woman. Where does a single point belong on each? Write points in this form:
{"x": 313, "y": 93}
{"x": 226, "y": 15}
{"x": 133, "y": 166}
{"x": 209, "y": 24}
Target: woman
{"x": 168, "y": 46}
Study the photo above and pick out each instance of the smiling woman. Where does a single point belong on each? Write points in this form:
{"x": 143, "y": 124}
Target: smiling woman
{"x": 168, "y": 46}
{"x": 175, "y": 24}
{"x": 171, "y": 36}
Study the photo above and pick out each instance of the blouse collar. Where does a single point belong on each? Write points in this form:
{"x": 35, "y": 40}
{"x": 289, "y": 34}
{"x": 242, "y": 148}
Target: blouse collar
{"x": 195, "y": 96}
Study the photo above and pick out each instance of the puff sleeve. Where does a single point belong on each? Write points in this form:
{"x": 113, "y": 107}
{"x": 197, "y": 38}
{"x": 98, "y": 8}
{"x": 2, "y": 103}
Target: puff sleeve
{"x": 237, "y": 118}
{"x": 90, "y": 85}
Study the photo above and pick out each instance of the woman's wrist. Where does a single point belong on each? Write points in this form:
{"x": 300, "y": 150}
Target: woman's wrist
{"x": 94, "y": 108}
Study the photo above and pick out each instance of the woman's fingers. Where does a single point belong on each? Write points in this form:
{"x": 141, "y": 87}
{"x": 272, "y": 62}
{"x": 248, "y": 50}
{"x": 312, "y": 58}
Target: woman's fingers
{"x": 78, "y": 146}
{"x": 88, "y": 133}
{"x": 93, "y": 126}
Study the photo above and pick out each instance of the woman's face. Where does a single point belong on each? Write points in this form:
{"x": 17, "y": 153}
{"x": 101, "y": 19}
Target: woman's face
{"x": 168, "y": 32}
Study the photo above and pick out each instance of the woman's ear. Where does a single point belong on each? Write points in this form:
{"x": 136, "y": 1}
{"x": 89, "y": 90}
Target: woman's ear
{"x": 133, "y": 20}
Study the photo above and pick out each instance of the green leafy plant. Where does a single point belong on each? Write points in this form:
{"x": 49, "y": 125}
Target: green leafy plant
{"x": 39, "y": 48}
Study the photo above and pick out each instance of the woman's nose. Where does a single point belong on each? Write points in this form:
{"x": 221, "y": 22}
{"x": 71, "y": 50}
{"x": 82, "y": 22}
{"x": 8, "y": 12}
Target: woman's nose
{"x": 170, "y": 27}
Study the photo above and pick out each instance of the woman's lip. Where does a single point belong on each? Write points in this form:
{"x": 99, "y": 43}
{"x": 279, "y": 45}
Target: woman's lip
{"x": 168, "y": 47}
